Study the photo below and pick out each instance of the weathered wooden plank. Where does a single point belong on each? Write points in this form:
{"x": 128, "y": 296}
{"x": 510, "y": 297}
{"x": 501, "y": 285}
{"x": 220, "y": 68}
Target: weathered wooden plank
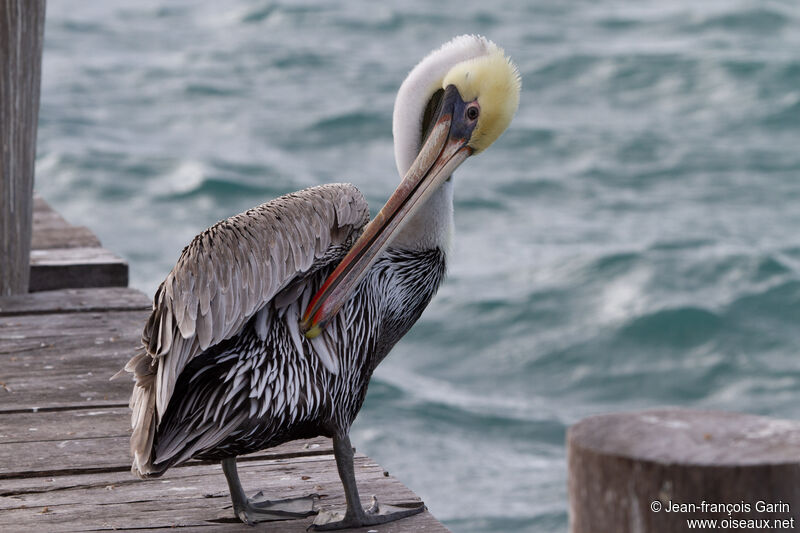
{"x": 66, "y": 256}
{"x": 107, "y": 454}
{"x": 184, "y": 517}
{"x": 51, "y": 230}
{"x": 88, "y": 440}
{"x": 194, "y": 497}
{"x": 59, "y": 237}
{"x": 61, "y": 391}
{"x": 424, "y": 523}
{"x": 65, "y": 360}
{"x": 21, "y": 330}
{"x": 45, "y": 216}
{"x": 46, "y": 337}
{"x": 76, "y": 268}
{"x": 74, "y": 300}
{"x": 18, "y": 394}
{"x": 43, "y": 426}
{"x": 21, "y": 31}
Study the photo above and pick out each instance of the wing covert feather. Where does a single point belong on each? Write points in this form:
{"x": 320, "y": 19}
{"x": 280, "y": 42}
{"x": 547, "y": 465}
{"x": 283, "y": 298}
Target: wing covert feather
{"x": 232, "y": 269}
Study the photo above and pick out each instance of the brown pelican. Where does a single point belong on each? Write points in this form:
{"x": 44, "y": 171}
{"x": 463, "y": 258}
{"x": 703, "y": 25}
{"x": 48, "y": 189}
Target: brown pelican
{"x": 271, "y": 323}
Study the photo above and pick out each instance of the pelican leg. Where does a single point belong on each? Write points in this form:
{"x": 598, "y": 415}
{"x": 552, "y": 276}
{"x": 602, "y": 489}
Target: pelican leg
{"x": 258, "y": 508}
{"x": 355, "y": 515}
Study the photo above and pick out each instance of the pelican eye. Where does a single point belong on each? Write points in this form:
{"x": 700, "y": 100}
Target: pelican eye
{"x": 473, "y": 112}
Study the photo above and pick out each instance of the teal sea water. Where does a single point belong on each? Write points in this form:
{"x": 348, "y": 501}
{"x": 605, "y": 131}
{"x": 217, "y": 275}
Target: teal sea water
{"x": 632, "y": 241}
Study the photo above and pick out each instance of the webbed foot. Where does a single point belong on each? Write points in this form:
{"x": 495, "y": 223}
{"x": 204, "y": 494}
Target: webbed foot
{"x": 260, "y": 509}
{"x": 374, "y": 515}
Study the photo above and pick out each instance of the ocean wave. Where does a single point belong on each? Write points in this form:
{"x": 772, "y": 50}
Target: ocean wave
{"x": 345, "y": 128}
{"x": 533, "y": 188}
{"x": 478, "y": 203}
{"x": 213, "y": 90}
{"x": 678, "y": 328}
{"x": 218, "y": 189}
{"x": 786, "y": 117}
{"x": 611, "y": 265}
{"x": 446, "y": 403}
{"x": 221, "y": 180}
{"x": 772, "y": 309}
{"x": 675, "y": 245}
{"x": 761, "y": 20}
{"x": 303, "y": 60}
{"x": 259, "y": 14}
{"x": 529, "y": 137}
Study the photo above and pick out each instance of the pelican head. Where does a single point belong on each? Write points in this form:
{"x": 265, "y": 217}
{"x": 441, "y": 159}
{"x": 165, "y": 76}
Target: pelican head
{"x": 455, "y": 103}
{"x": 479, "y": 72}
{"x": 489, "y": 85}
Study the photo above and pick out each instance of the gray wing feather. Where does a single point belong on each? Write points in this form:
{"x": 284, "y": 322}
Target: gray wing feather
{"x": 231, "y": 270}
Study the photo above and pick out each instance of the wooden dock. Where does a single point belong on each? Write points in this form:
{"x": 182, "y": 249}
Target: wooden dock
{"x": 67, "y": 256}
{"x": 64, "y": 463}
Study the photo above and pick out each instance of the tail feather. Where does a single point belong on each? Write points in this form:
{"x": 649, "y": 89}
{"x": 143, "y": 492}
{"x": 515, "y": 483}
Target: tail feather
{"x": 143, "y": 419}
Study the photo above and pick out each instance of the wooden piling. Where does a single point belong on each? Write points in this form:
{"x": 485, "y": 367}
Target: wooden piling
{"x": 654, "y": 471}
{"x": 21, "y": 35}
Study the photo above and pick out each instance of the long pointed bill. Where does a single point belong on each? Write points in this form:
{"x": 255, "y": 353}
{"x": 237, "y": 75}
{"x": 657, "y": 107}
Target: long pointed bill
{"x": 442, "y": 153}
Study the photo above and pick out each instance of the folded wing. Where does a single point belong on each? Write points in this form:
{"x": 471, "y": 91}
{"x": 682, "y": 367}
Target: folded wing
{"x": 225, "y": 276}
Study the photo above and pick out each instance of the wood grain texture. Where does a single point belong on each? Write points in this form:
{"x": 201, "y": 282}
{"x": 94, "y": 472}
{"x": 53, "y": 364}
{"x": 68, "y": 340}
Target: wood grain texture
{"x": 44, "y": 216}
{"x": 51, "y": 230}
{"x": 45, "y": 426}
{"x": 63, "y": 237}
{"x": 59, "y": 268}
{"x": 66, "y": 360}
{"x": 75, "y": 301}
{"x": 619, "y": 464}
{"x": 21, "y": 33}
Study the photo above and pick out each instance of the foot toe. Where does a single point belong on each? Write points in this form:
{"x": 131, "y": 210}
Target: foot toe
{"x": 333, "y": 520}
{"x": 304, "y": 506}
{"x": 373, "y": 508}
{"x": 257, "y": 509}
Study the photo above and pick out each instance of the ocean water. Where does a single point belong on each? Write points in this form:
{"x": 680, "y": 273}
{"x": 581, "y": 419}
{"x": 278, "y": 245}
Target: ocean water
{"x": 632, "y": 241}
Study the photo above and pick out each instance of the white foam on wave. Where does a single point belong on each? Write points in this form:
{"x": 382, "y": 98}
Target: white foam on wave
{"x": 188, "y": 176}
{"x": 624, "y": 297}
